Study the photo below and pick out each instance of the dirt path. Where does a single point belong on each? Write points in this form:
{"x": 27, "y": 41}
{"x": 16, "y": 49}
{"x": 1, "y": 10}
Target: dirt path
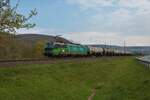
{"x": 92, "y": 94}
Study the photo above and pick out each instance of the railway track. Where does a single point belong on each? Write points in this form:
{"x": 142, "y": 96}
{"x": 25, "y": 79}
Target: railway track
{"x": 51, "y": 60}
{"x": 14, "y": 62}
{"x": 20, "y": 60}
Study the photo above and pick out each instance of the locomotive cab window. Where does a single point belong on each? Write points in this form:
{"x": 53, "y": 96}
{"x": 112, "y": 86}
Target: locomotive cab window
{"x": 60, "y": 46}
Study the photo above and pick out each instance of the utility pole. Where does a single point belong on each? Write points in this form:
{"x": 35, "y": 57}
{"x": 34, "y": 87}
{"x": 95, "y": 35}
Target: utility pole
{"x": 124, "y": 47}
{"x": 105, "y": 44}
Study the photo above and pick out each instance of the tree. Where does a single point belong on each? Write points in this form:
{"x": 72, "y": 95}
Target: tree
{"x": 38, "y": 48}
{"x": 10, "y": 19}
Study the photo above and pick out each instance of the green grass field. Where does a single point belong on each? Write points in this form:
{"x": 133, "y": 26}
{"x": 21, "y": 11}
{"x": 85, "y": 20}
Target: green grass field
{"x": 120, "y": 78}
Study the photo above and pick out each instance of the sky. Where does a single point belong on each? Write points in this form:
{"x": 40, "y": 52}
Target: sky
{"x": 91, "y": 21}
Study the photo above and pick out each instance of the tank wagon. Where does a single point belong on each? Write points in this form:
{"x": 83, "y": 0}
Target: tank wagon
{"x": 108, "y": 52}
{"x": 61, "y": 49}
{"x": 94, "y": 51}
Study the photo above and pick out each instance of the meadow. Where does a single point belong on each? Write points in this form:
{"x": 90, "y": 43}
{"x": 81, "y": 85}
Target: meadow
{"x": 114, "y": 78}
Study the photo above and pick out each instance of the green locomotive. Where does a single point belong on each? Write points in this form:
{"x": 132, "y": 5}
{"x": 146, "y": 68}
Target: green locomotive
{"x": 61, "y": 49}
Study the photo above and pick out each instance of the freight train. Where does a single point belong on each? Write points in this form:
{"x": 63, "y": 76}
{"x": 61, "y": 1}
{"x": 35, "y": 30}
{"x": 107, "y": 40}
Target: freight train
{"x": 62, "y": 49}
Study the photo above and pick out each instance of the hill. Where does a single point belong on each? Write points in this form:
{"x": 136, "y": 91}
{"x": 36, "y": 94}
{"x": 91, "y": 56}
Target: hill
{"x": 145, "y": 50}
{"x": 34, "y": 38}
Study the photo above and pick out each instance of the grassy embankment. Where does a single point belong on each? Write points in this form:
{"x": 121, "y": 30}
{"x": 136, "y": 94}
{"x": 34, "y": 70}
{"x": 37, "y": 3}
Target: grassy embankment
{"x": 114, "y": 79}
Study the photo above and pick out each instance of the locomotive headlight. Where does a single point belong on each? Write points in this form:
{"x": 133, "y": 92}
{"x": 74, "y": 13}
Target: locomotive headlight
{"x": 63, "y": 50}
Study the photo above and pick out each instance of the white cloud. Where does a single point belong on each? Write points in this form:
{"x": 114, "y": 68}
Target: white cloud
{"x": 94, "y": 37}
{"x": 107, "y": 38}
{"x": 129, "y": 17}
{"x": 37, "y": 30}
{"x": 84, "y": 4}
{"x": 139, "y": 4}
{"x": 138, "y": 40}
{"x": 121, "y": 21}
